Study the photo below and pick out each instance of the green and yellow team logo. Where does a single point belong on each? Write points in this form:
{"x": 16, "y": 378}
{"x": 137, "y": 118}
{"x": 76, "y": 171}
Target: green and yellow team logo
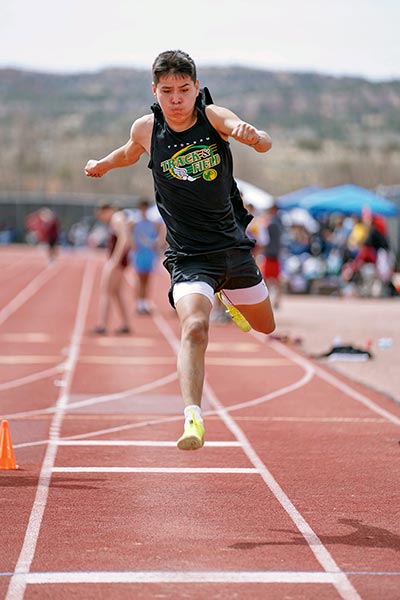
{"x": 210, "y": 174}
{"x": 192, "y": 162}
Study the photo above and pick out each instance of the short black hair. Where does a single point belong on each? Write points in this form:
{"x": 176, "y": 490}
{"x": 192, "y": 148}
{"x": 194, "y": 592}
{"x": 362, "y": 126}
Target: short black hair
{"x": 175, "y": 62}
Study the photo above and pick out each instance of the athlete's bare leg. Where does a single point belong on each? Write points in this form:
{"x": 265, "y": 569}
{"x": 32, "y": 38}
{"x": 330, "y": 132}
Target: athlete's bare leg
{"x": 105, "y": 298}
{"x": 260, "y": 316}
{"x": 116, "y": 285}
{"x": 110, "y": 290}
{"x": 194, "y": 314}
{"x": 142, "y": 292}
{"x": 143, "y": 283}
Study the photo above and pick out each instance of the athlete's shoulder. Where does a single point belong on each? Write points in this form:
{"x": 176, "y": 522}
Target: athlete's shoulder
{"x": 118, "y": 217}
{"x": 217, "y": 112}
{"x": 143, "y": 124}
{"x": 217, "y": 116}
{"x": 141, "y": 131}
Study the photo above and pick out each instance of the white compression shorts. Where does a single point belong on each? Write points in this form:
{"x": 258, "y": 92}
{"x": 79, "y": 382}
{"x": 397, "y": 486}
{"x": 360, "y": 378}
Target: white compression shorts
{"x": 250, "y": 295}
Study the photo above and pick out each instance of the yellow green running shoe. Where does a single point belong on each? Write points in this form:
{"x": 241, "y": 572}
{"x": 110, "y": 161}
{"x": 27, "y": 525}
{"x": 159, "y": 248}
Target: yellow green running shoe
{"x": 236, "y": 315}
{"x": 193, "y": 434}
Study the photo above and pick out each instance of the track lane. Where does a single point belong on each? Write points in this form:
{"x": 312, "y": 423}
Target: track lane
{"x": 295, "y": 421}
{"x": 17, "y": 585}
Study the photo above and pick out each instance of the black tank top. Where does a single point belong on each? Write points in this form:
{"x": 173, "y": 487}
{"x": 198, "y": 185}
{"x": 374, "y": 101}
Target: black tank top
{"x": 195, "y": 191}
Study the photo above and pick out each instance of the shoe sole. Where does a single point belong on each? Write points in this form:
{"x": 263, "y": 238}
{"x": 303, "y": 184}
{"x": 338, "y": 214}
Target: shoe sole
{"x": 190, "y": 442}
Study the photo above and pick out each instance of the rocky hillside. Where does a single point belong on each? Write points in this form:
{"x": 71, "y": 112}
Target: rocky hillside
{"x": 326, "y": 130}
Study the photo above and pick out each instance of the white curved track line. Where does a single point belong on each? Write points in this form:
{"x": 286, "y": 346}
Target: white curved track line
{"x": 272, "y": 395}
{"x": 107, "y": 431}
{"x": 27, "y": 292}
{"x": 160, "y": 324}
{"x": 18, "y": 582}
{"x": 307, "y": 367}
{"x": 13, "y": 383}
{"x": 323, "y": 556}
{"x": 146, "y": 387}
{"x": 337, "y": 383}
{"x": 96, "y": 399}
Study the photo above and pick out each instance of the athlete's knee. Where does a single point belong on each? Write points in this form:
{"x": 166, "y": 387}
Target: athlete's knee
{"x": 195, "y": 330}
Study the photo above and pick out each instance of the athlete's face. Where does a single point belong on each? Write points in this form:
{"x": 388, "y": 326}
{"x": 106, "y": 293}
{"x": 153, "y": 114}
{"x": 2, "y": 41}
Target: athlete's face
{"x": 176, "y": 94}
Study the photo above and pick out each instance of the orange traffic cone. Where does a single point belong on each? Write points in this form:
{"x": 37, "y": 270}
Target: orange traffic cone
{"x": 7, "y": 458}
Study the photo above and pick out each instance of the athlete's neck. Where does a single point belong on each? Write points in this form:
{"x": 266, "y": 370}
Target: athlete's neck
{"x": 179, "y": 125}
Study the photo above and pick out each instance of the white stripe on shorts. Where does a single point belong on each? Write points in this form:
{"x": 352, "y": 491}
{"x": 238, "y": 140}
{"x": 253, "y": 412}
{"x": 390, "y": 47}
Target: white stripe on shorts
{"x": 250, "y": 295}
{"x": 192, "y": 287}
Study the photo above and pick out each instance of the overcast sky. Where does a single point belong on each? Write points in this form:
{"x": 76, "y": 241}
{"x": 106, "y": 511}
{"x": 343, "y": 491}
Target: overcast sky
{"x": 339, "y": 37}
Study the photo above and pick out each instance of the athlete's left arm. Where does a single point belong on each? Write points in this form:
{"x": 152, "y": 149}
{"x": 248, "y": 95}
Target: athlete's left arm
{"x": 230, "y": 125}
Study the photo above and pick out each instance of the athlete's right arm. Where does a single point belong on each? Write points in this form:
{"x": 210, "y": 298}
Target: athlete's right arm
{"x": 126, "y": 155}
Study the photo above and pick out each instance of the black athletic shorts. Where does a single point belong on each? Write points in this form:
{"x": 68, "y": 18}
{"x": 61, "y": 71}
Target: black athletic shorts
{"x": 230, "y": 269}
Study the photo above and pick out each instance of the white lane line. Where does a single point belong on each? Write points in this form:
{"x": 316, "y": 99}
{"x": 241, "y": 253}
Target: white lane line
{"x": 346, "y": 389}
{"x": 299, "y": 419}
{"x": 107, "y": 431}
{"x": 337, "y": 383}
{"x": 167, "y": 360}
{"x": 28, "y": 359}
{"x": 323, "y": 556}
{"x": 211, "y": 413}
{"x": 149, "y": 576}
{"x": 27, "y": 292}
{"x": 28, "y": 338}
{"x": 163, "y": 470}
{"x": 305, "y": 365}
{"x": 309, "y": 374}
{"x": 99, "y": 359}
{"x": 342, "y": 584}
{"x": 146, "y": 387}
{"x": 155, "y": 443}
{"x": 308, "y": 368}
{"x": 16, "y": 589}
{"x": 180, "y": 577}
{"x": 7, "y": 385}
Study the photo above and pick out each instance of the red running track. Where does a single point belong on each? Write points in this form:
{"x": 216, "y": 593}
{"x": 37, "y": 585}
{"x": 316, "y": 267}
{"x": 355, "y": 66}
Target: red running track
{"x": 294, "y": 496}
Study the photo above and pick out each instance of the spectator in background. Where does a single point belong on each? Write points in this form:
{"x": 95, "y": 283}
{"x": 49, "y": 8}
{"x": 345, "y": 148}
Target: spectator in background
{"x": 119, "y": 245}
{"x": 256, "y": 231}
{"x": 357, "y": 236}
{"x": 45, "y": 225}
{"x": 340, "y": 233}
{"x": 148, "y": 240}
{"x": 375, "y": 244}
{"x": 273, "y": 244}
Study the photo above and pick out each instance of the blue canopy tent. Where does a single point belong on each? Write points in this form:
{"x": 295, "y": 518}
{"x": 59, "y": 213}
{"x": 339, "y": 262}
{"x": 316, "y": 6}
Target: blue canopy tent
{"x": 348, "y": 199}
{"x": 293, "y": 199}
